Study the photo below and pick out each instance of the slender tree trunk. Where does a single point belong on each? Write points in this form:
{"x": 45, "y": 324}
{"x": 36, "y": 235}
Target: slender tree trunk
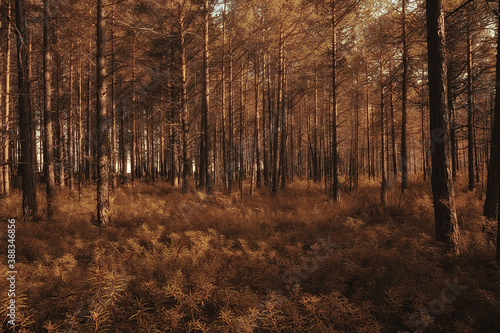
{"x": 424, "y": 144}
{"x": 25, "y": 116}
{"x": 133, "y": 148}
{"x": 368, "y": 136}
{"x": 277, "y": 117}
{"x": 284, "y": 123}
{"x": 123, "y": 151}
{"x": 3, "y": 136}
{"x": 80, "y": 129}
{"x": 70, "y": 156}
{"x": 383, "y": 184}
{"x": 4, "y": 149}
{"x": 59, "y": 130}
{"x": 491, "y": 205}
{"x": 205, "y": 174}
{"x": 113, "y": 103}
{"x": 453, "y": 140}
{"x": 265, "y": 132}
{"x": 447, "y": 230}
{"x": 241, "y": 167}
{"x": 184, "y": 109}
{"x": 315, "y": 156}
{"x": 50, "y": 178}
{"x": 89, "y": 156}
{"x": 356, "y": 140}
{"x": 257, "y": 124}
{"x": 231, "y": 150}
{"x": 404, "y": 151}
{"x": 102, "y": 119}
{"x": 470, "y": 110}
{"x": 335, "y": 150}
{"x": 33, "y": 98}
{"x": 393, "y": 134}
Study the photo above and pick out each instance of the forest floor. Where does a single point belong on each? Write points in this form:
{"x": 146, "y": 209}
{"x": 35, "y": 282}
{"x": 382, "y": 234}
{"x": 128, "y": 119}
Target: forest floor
{"x": 296, "y": 262}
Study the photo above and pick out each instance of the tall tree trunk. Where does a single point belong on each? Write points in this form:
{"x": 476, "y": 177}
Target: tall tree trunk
{"x": 242, "y": 124}
{"x": 383, "y": 184}
{"x": 277, "y": 117}
{"x": 470, "y": 110}
{"x": 3, "y": 137}
{"x": 257, "y": 124}
{"x": 393, "y": 133}
{"x": 447, "y": 230}
{"x": 205, "y": 163}
{"x": 404, "y": 151}
{"x": 6, "y": 123}
{"x": 133, "y": 146}
{"x": 283, "y": 149}
{"x": 231, "y": 150}
{"x": 184, "y": 108}
{"x": 4, "y": 149}
{"x": 491, "y": 205}
{"x": 50, "y": 178}
{"x": 25, "y": 116}
{"x": 335, "y": 151}
{"x": 123, "y": 151}
{"x": 425, "y": 147}
{"x": 113, "y": 103}
{"x": 89, "y": 157}
{"x": 59, "y": 123}
{"x": 70, "y": 155}
{"x": 265, "y": 132}
{"x": 80, "y": 129}
{"x": 453, "y": 137}
{"x": 102, "y": 119}
{"x": 368, "y": 136}
{"x": 315, "y": 160}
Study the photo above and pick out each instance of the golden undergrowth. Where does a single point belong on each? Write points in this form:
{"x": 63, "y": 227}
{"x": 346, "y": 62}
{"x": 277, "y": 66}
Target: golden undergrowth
{"x": 295, "y": 262}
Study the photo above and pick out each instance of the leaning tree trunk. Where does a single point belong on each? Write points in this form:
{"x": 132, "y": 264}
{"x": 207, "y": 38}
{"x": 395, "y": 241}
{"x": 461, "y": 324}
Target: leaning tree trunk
{"x": 447, "y": 230}
{"x": 102, "y": 120}
{"x": 491, "y": 205}
{"x": 50, "y": 178}
{"x": 25, "y": 116}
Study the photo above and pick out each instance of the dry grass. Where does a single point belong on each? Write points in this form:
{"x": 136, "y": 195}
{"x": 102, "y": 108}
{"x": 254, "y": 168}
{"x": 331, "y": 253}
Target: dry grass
{"x": 296, "y": 262}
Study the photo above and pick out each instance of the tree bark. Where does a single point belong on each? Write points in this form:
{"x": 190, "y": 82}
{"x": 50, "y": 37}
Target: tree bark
{"x": 205, "y": 163}
{"x": 113, "y": 103}
{"x": 383, "y": 184}
{"x": 50, "y": 178}
{"x": 491, "y": 206}
{"x": 335, "y": 152}
{"x": 70, "y": 155}
{"x": 25, "y": 116}
{"x": 102, "y": 119}
{"x": 470, "y": 110}
{"x": 447, "y": 230}
{"x": 277, "y": 118}
{"x": 184, "y": 108}
{"x": 404, "y": 151}
{"x": 5, "y": 170}
{"x": 257, "y": 124}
